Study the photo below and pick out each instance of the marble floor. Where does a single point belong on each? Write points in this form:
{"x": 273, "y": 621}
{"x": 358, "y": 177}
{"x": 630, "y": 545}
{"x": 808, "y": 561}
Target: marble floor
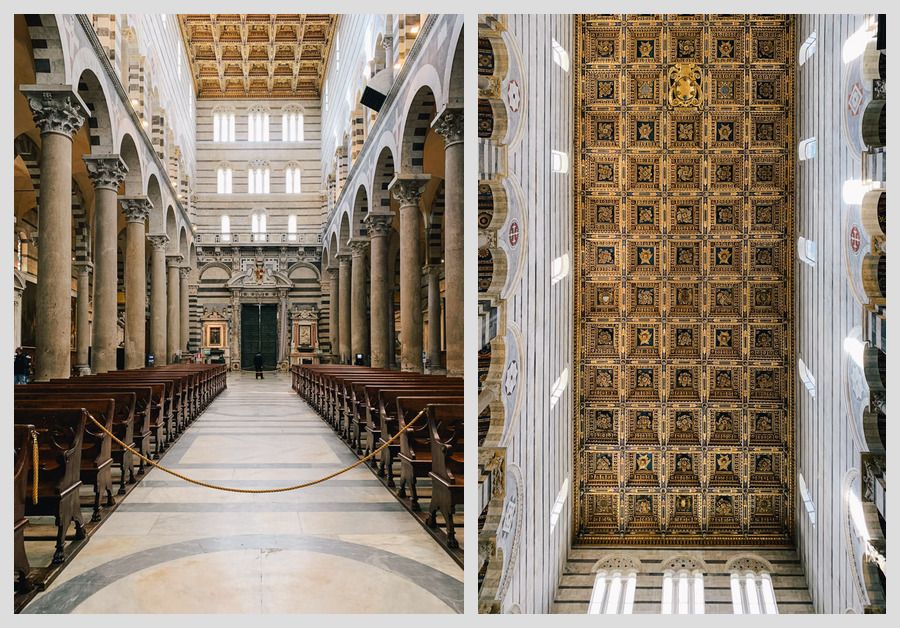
{"x": 343, "y": 546}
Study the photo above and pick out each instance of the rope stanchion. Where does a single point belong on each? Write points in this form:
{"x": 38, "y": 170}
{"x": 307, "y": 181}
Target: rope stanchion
{"x": 35, "y": 464}
{"x": 255, "y": 491}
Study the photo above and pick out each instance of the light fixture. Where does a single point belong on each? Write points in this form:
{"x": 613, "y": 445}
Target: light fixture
{"x": 854, "y": 190}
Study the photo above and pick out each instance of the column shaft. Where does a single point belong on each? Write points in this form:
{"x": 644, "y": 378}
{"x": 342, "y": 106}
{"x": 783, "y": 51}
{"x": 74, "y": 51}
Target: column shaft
{"x": 184, "y": 301}
{"x": 379, "y": 307}
{"x": 137, "y": 209}
{"x": 450, "y": 125}
{"x": 82, "y": 319}
{"x": 359, "y": 320}
{"x": 344, "y": 305}
{"x": 434, "y": 317}
{"x": 158, "y": 314}
{"x": 173, "y": 308}
{"x": 333, "y": 316}
{"x": 105, "y": 328}
{"x": 410, "y": 290}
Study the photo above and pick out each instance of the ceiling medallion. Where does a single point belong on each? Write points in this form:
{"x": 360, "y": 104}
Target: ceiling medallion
{"x": 684, "y": 86}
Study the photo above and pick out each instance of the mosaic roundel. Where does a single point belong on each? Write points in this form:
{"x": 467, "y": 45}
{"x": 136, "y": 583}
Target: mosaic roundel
{"x": 684, "y": 167}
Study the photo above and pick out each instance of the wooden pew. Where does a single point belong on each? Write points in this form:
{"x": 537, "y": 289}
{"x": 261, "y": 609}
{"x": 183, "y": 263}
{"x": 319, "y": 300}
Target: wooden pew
{"x": 96, "y": 459}
{"x": 415, "y": 443}
{"x": 60, "y": 435}
{"x": 123, "y": 419}
{"x": 387, "y": 415}
{"x": 22, "y": 437}
{"x": 445, "y": 426}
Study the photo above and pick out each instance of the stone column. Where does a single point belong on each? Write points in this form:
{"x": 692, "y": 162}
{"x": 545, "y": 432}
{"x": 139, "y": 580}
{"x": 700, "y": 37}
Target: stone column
{"x": 82, "y": 318}
{"x": 407, "y": 189}
{"x": 18, "y": 290}
{"x": 158, "y": 299}
{"x": 107, "y": 173}
{"x": 184, "y": 302}
{"x": 58, "y": 112}
{"x": 344, "y": 305}
{"x": 433, "y": 273}
{"x": 137, "y": 210}
{"x": 333, "y": 316}
{"x": 379, "y": 228}
{"x": 283, "y": 329}
{"x": 173, "y": 309}
{"x": 450, "y": 125}
{"x": 359, "y": 320}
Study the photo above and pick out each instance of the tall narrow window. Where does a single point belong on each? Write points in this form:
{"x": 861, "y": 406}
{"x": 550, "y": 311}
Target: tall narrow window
{"x": 807, "y": 499}
{"x": 806, "y": 377}
{"x": 223, "y": 180}
{"x": 682, "y": 587}
{"x": 258, "y": 225}
{"x": 559, "y": 269}
{"x": 291, "y": 126}
{"x": 292, "y": 179}
{"x": 559, "y": 504}
{"x": 559, "y": 161}
{"x": 226, "y": 229}
{"x": 806, "y": 251}
{"x": 806, "y": 149}
{"x": 807, "y": 49}
{"x": 560, "y": 56}
{"x": 258, "y": 178}
{"x": 257, "y": 125}
{"x": 752, "y": 592}
{"x": 292, "y": 227}
{"x": 614, "y": 585}
{"x": 223, "y": 126}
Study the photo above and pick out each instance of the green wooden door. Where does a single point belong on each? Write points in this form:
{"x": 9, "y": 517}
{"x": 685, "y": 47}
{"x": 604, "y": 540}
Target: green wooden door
{"x": 259, "y": 334}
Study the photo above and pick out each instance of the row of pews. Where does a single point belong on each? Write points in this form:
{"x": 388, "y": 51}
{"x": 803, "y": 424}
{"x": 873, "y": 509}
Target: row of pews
{"x": 145, "y": 408}
{"x": 368, "y": 406}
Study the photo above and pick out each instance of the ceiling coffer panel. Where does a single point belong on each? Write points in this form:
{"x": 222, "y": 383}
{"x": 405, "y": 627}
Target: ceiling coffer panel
{"x": 258, "y": 55}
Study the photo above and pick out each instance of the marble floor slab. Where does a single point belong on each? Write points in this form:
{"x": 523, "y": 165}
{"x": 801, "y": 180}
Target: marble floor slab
{"x": 172, "y": 547}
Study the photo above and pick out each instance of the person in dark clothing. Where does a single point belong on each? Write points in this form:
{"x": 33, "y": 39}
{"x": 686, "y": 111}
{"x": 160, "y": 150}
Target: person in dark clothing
{"x": 258, "y": 363}
{"x": 21, "y": 366}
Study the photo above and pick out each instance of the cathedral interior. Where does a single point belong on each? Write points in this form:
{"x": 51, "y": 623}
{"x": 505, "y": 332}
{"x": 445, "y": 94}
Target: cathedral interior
{"x": 209, "y": 210}
{"x": 682, "y": 313}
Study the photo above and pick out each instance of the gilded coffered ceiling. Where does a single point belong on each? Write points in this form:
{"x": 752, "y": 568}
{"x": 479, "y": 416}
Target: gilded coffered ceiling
{"x": 257, "y": 55}
{"x": 684, "y": 177}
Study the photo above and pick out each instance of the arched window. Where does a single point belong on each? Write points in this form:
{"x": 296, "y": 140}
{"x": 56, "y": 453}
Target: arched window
{"x": 560, "y": 56}
{"x": 223, "y": 126}
{"x": 807, "y": 48}
{"x": 258, "y": 125}
{"x": 292, "y": 179}
{"x": 752, "y": 592}
{"x": 682, "y": 587}
{"x": 559, "y": 161}
{"x": 614, "y": 585}
{"x": 226, "y": 229}
{"x": 292, "y": 227}
{"x": 806, "y": 149}
{"x": 291, "y": 125}
{"x": 806, "y": 377}
{"x": 258, "y": 177}
{"x": 258, "y": 225}
{"x": 223, "y": 179}
{"x": 806, "y": 251}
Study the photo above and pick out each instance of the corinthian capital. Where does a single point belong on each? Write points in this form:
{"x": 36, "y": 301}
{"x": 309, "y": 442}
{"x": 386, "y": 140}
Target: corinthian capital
{"x": 184, "y": 271}
{"x": 55, "y": 108}
{"x": 378, "y": 224}
{"x": 174, "y": 261}
{"x": 136, "y": 208}
{"x": 159, "y": 241}
{"x": 359, "y": 247}
{"x": 106, "y": 171}
{"x": 450, "y": 124}
{"x": 407, "y": 188}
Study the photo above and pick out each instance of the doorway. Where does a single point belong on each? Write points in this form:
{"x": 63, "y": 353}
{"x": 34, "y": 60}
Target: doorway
{"x": 259, "y": 334}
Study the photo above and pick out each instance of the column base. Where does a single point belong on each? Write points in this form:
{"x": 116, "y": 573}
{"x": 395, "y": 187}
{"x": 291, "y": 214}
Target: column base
{"x": 82, "y": 370}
